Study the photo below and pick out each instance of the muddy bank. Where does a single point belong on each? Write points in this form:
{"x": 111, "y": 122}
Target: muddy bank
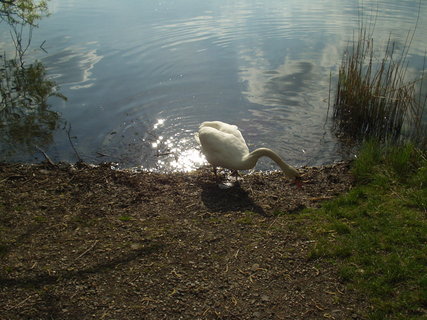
{"x": 83, "y": 242}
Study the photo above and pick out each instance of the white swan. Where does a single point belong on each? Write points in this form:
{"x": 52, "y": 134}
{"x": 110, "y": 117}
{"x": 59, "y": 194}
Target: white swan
{"x": 224, "y": 146}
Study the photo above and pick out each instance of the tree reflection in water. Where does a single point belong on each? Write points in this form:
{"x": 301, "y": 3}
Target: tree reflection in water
{"x": 25, "y": 117}
{"x": 26, "y": 120}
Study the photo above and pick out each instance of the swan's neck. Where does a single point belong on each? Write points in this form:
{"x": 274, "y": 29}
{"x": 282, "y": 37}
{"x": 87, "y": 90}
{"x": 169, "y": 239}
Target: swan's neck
{"x": 252, "y": 158}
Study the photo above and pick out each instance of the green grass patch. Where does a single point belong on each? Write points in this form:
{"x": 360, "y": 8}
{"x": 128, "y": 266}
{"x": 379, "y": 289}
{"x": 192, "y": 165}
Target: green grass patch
{"x": 125, "y": 218}
{"x": 247, "y": 218}
{"x": 40, "y": 219}
{"x": 3, "y": 249}
{"x": 377, "y": 232}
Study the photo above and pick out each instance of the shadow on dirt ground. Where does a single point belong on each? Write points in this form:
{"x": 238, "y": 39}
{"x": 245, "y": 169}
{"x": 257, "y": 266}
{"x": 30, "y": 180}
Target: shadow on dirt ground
{"x": 89, "y": 242}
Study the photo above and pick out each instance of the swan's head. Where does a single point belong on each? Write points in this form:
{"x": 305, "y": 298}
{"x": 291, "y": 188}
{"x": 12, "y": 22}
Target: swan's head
{"x": 298, "y": 182}
{"x": 289, "y": 171}
{"x": 293, "y": 173}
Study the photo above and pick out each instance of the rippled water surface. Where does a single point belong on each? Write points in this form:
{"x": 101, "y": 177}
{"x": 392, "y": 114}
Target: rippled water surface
{"x": 140, "y": 76}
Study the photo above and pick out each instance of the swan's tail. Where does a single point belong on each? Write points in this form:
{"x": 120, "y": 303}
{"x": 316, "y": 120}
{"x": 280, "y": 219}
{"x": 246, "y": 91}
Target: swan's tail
{"x": 196, "y": 136}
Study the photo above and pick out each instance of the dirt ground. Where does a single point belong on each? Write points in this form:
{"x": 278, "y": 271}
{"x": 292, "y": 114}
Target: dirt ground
{"x": 89, "y": 242}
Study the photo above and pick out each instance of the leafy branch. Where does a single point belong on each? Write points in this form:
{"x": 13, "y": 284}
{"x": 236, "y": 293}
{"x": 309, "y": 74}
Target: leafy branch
{"x": 23, "y": 11}
{"x": 22, "y": 15}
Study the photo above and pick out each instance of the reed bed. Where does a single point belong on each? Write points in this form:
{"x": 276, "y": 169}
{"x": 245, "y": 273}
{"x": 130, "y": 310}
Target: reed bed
{"x": 374, "y": 99}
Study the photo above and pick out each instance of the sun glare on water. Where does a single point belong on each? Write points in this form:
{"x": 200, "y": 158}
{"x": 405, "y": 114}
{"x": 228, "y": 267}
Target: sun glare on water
{"x": 188, "y": 160}
{"x": 178, "y": 152}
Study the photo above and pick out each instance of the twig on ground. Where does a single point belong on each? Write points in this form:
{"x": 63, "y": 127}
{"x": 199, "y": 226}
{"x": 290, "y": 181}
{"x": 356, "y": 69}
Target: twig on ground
{"x": 86, "y": 251}
{"x": 72, "y": 144}
{"x": 19, "y": 304}
{"x": 48, "y": 159}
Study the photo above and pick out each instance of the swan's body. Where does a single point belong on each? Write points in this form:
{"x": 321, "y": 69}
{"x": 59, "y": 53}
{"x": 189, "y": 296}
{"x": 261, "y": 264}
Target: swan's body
{"x": 224, "y": 146}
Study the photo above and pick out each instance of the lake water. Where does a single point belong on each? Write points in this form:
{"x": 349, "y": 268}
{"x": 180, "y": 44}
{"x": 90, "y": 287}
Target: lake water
{"x": 140, "y": 76}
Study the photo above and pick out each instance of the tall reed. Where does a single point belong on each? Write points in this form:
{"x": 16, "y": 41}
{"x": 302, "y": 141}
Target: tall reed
{"x": 374, "y": 99}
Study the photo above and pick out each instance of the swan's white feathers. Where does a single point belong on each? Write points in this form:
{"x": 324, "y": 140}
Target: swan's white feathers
{"x": 224, "y": 146}
{"x": 225, "y": 128}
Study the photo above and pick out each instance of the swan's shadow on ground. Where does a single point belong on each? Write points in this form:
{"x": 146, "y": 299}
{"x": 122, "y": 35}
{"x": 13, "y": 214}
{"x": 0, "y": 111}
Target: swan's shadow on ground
{"x": 231, "y": 199}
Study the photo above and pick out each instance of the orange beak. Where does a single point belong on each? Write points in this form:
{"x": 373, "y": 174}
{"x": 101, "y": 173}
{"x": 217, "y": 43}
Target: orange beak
{"x": 298, "y": 183}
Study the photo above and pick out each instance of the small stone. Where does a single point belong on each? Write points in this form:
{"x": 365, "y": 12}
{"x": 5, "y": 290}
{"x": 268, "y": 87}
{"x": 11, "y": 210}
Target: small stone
{"x": 265, "y": 298}
{"x": 255, "y": 267}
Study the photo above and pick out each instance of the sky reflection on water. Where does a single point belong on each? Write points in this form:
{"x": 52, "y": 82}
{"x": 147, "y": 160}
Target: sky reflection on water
{"x": 140, "y": 76}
